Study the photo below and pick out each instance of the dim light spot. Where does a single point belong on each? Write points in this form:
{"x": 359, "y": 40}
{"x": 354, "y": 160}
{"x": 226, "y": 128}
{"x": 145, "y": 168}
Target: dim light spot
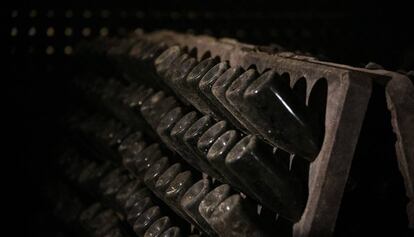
{"x": 14, "y": 32}
{"x": 68, "y": 50}
{"x": 105, "y": 13}
{"x": 123, "y": 14}
{"x": 104, "y": 31}
{"x": 50, "y": 13}
{"x": 69, "y": 14}
{"x": 68, "y": 31}
{"x": 86, "y": 32}
{"x": 50, "y": 50}
{"x": 50, "y": 32}
{"x": 33, "y": 13}
{"x": 14, "y": 13}
{"x": 87, "y": 14}
{"x": 32, "y": 31}
{"x": 140, "y": 14}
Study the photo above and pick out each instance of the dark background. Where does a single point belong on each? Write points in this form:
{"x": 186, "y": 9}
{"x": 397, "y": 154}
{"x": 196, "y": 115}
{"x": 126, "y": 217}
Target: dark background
{"x": 38, "y": 66}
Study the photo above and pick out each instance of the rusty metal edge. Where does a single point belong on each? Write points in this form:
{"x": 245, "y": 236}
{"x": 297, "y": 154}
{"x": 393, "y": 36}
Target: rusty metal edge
{"x": 400, "y": 102}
